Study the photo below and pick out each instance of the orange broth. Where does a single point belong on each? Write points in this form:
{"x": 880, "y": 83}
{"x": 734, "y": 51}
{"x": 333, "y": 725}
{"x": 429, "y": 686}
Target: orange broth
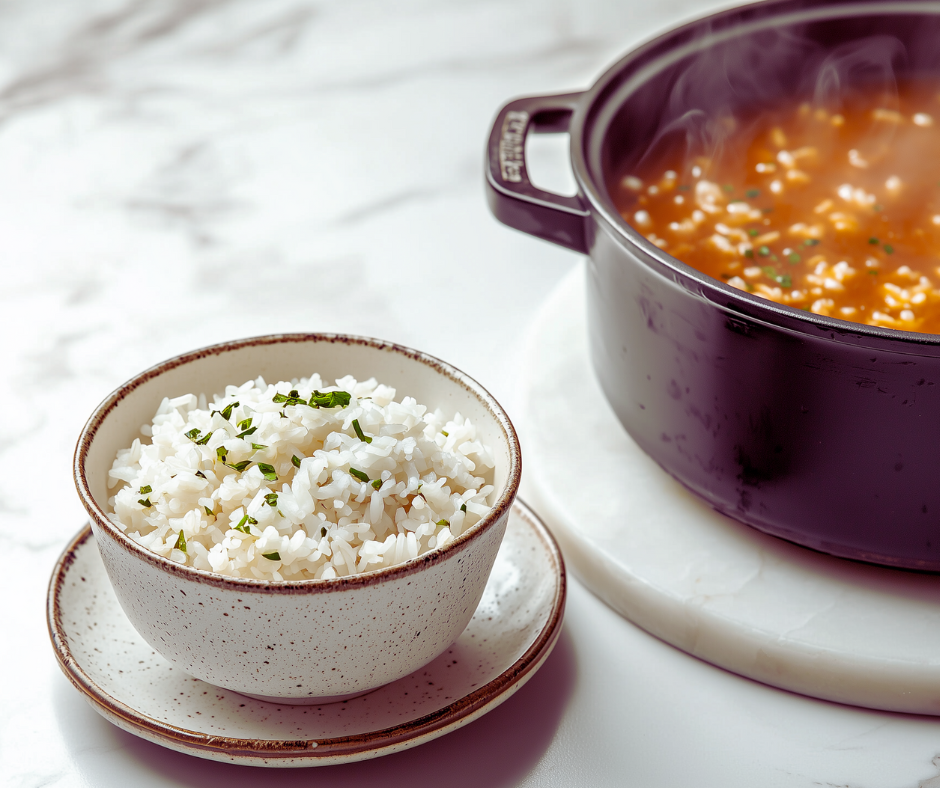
{"x": 837, "y": 213}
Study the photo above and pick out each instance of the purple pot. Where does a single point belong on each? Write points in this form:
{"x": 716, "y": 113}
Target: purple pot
{"x": 814, "y": 429}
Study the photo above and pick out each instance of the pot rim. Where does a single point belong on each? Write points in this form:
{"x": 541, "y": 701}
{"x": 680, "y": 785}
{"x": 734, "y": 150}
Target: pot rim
{"x": 100, "y": 520}
{"x": 599, "y": 103}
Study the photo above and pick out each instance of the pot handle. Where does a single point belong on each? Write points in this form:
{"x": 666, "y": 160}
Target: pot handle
{"x": 512, "y": 197}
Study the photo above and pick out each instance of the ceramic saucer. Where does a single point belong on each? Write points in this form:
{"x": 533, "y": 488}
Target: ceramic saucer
{"x": 510, "y": 636}
{"x": 720, "y": 590}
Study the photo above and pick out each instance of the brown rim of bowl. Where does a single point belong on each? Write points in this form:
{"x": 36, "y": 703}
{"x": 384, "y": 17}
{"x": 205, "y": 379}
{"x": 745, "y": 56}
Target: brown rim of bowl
{"x": 500, "y": 507}
{"x": 274, "y": 749}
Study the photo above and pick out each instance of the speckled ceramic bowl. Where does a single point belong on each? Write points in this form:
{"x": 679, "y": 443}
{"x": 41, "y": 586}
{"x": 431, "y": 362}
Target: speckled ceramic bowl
{"x": 311, "y": 640}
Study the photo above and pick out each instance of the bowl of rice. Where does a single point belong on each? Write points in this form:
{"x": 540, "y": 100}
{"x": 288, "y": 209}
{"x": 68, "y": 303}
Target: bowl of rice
{"x": 299, "y": 517}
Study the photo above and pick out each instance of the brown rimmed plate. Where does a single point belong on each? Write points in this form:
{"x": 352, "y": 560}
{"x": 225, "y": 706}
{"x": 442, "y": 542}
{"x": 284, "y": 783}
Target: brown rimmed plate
{"x": 510, "y": 636}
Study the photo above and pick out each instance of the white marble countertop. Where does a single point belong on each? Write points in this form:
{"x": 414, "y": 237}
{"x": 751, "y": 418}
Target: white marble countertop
{"x": 175, "y": 173}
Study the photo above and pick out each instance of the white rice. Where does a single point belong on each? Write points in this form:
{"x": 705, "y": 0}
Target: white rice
{"x": 429, "y": 479}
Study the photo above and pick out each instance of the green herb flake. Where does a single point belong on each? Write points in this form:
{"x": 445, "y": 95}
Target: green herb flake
{"x": 145, "y": 489}
{"x": 878, "y": 208}
{"x": 442, "y": 522}
{"x": 873, "y": 272}
{"x": 275, "y": 556}
{"x": 246, "y": 433}
{"x": 145, "y": 502}
{"x": 221, "y": 453}
{"x": 728, "y": 188}
{"x": 463, "y": 508}
{"x": 888, "y": 248}
{"x": 244, "y": 424}
{"x": 752, "y": 193}
{"x": 766, "y": 210}
{"x": 267, "y": 471}
{"x": 363, "y": 477}
{"x": 331, "y": 399}
{"x": 359, "y": 433}
{"x": 794, "y": 258}
{"x": 811, "y": 242}
{"x": 237, "y": 466}
{"x": 180, "y": 542}
{"x": 753, "y": 233}
{"x": 201, "y": 475}
{"x": 445, "y": 433}
{"x": 271, "y": 500}
{"x": 873, "y": 241}
{"x": 258, "y": 446}
{"x": 748, "y": 252}
{"x": 192, "y": 434}
{"x": 244, "y": 523}
{"x": 376, "y": 484}
{"x": 322, "y": 532}
{"x": 781, "y": 279}
{"x": 209, "y": 512}
{"x": 204, "y": 439}
{"x": 684, "y": 187}
{"x": 295, "y": 461}
{"x": 763, "y": 251}
{"x": 227, "y": 413}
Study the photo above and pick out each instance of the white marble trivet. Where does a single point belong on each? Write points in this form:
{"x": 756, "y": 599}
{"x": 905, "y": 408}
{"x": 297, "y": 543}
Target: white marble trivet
{"x": 718, "y": 589}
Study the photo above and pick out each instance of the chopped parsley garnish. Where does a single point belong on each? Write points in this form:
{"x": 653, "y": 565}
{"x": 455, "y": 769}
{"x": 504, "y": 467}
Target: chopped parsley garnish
{"x": 271, "y": 499}
{"x": 359, "y": 433}
{"x": 244, "y": 523}
{"x": 246, "y": 429}
{"x": 728, "y": 188}
{"x": 192, "y": 434}
{"x": 244, "y": 424}
{"x": 748, "y": 252}
{"x": 221, "y": 453}
{"x": 752, "y": 193}
{"x": 145, "y": 489}
{"x": 363, "y": 477}
{"x": 331, "y": 399}
{"x": 683, "y": 187}
{"x": 442, "y": 522}
{"x": 145, "y": 502}
{"x": 873, "y": 241}
{"x": 258, "y": 446}
{"x": 227, "y": 413}
{"x": 782, "y": 279}
{"x": 793, "y": 257}
{"x": 209, "y": 512}
{"x": 180, "y": 542}
{"x": 292, "y": 398}
{"x": 811, "y": 242}
{"x": 204, "y": 439}
{"x": 753, "y": 233}
{"x": 376, "y": 484}
{"x": 873, "y": 271}
{"x": 888, "y": 248}
{"x": 295, "y": 461}
{"x": 445, "y": 433}
{"x": 322, "y": 532}
{"x": 878, "y": 208}
{"x": 267, "y": 471}
{"x": 763, "y": 251}
{"x": 201, "y": 474}
{"x": 246, "y": 433}
{"x": 275, "y": 556}
{"x": 237, "y": 466}
{"x": 463, "y": 508}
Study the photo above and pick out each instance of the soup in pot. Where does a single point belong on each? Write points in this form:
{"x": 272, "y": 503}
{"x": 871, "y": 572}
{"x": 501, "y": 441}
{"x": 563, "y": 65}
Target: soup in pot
{"x": 832, "y": 211}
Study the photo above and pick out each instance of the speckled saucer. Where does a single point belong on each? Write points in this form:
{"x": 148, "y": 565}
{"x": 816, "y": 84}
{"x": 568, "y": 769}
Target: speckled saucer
{"x": 511, "y": 634}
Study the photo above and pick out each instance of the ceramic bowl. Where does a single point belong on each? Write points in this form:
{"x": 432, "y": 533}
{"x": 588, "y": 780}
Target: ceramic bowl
{"x": 311, "y": 640}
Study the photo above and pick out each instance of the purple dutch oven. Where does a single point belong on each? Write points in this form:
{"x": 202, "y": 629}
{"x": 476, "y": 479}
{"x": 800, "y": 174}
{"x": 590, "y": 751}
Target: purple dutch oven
{"x": 814, "y": 429}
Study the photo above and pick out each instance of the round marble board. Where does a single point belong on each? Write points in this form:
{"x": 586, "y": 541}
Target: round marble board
{"x": 510, "y": 636}
{"x": 713, "y": 587}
